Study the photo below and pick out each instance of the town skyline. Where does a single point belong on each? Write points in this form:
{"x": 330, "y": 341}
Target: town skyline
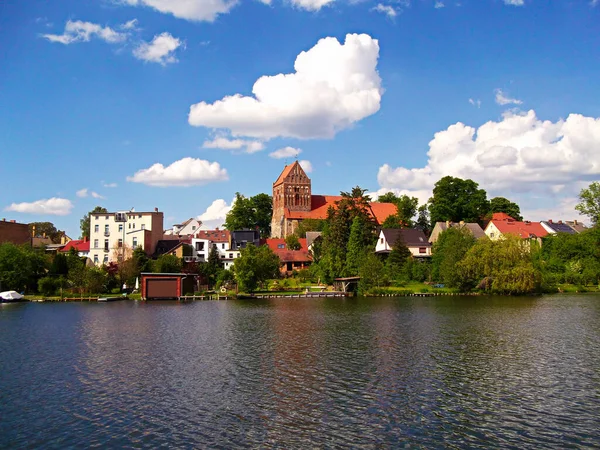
{"x": 124, "y": 105}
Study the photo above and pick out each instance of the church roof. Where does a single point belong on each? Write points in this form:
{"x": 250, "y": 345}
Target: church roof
{"x": 321, "y": 203}
{"x": 286, "y": 171}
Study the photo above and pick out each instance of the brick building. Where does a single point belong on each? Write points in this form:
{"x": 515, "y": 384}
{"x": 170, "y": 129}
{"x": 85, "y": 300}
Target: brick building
{"x": 17, "y": 233}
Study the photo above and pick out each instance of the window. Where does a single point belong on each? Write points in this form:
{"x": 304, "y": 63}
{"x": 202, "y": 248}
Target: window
{"x": 422, "y": 250}
{"x": 280, "y": 245}
{"x": 106, "y": 229}
{"x": 223, "y": 246}
{"x": 105, "y": 245}
{"x": 143, "y": 226}
{"x": 97, "y": 217}
{"x": 135, "y": 242}
{"x": 129, "y": 226}
{"x": 193, "y": 227}
{"x": 231, "y": 256}
{"x": 120, "y": 243}
{"x": 222, "y": 256}
{"x": 491, "y": 235}
{"x": 105, "y": 260}
{"x": 199, "y": 246}
{"x": 96, "y": 228}
{"x": 120, "y": 228}
{"x": 380, "y": 240}
{"x": 215, "y": 246}
{"x": 133, "y": 226}
{"x": 95, "y": 259}
{"x": 139, "y": 216}
{"x": 95, "y": 243}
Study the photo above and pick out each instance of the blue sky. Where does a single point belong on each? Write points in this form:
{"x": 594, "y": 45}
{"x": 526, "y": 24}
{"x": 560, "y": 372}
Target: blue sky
{"x": 387, "y": 95}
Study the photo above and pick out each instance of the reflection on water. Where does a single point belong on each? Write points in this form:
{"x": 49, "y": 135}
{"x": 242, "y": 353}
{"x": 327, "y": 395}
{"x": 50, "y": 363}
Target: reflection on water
{"x": 432, "y": 372}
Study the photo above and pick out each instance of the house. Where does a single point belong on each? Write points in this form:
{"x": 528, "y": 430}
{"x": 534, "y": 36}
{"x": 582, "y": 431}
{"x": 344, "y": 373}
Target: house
{"x": 115, "y": 235}
{"x": 557, "y": 227}
{"x": 81, "y": 246}
{"x": 220, "y": 240}
{"x": 414, "y": 239}
{"x": 187, "y": 228}
{"x": 241, "y": 238}
{"x": 293, "y": 202}
{"x": 180, "y": 248}
{"x": 577, "y": 226}
{"x": 290, "y": 259}
{"x": 439, "y": 227}
{"x": 16, "y": 233}
{"x": 502, "y": 224}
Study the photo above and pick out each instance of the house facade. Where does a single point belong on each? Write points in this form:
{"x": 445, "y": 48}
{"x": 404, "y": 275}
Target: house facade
{"x": 502, "y": 224}
{"x": 218, "y": 239}
{"x": 187, "y": 228}
{"x": 16, "y": 233}
{"x": 290, "y": 259}
{"x": 293, "y": 202}
{"x": 114, "y": 235}
{"x": 81, "y": 246}
{"x": 415, "y": 240}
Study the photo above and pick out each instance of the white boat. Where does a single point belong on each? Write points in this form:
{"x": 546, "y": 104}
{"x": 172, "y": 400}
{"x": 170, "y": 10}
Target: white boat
{"x": 10, "y": 296}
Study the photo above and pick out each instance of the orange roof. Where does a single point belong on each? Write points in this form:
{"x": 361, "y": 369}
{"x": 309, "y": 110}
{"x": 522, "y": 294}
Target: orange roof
{"x": 522, "y": 229}
{"x": 213, "y": 235}
{"x": 501, "y": 216}
{"x": 286, "y": 171}
{"x": 321, "y": 203}
{"x": 275, "y": 244}
{"x": 279, "y": 247}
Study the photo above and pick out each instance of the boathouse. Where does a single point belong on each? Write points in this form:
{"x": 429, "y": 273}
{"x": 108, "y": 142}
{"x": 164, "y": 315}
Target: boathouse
{"x": 166, "y": 286}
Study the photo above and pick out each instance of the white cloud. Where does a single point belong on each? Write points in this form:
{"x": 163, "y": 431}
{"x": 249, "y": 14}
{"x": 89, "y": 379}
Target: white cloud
{"x": 438, "y": 5}
{"x": 333, "y": 87}
{"x": 514, "y": 2}
{"x": 518, "y": 154}
{"x": 130, "y": 25}
{"x": 503, "y": 99}
{"x": 214, "y": 216}
{"x": 234, "y": 144}
{"x": 593, "y": 3}
{"x": 310, "y": 5}
{"x": 475, "y": 102}
{"x": 161, "y": 50}
{"x": 52, "y": 206}
{"x": 195, "y": 10}
{"x": 184, "y": 172}
{"x": 385, "y": 9}
{"x": 306, "y": 165}
{"x": 285, "y": 152}
{"x": 78, "y": 31}
{"x": 96, "y": 195}
{"x": 83, "y": 193}
{"x": 109, "y": 185}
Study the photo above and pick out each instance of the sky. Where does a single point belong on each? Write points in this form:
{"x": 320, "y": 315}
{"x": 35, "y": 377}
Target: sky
{"x": 179, "y": 104}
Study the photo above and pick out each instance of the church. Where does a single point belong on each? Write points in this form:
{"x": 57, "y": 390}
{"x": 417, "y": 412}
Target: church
{"x": 293, "y": 201}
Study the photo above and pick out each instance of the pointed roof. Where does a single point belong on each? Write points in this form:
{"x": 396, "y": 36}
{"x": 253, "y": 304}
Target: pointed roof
{"x": 286, "y": 171}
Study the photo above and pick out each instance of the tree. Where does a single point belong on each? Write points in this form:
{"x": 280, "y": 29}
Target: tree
{"x": 448, "y": 251}
{"x": 212, "y": 267}
{"x": 21, "y": 267}
{"x": 168, "y": 264}
{"x": 292, "y": 242}
{"x": 255, "y": 266}
{"x": 40, "y": 229}
{"x": 76, "y": 265}
{"x": 407, "y": 209}
{"x": 359, "y": 244}
{"x": 455, "y": 199}
{"x": 501, "y": 204}
{"x": 59, "y": 266}
{"x": 254, "y": 212}
{"x": 371, "y": 273}
{"x": 423, "y": 222}
{"x": 84, "y": 223}
{"x": 397, "y": 258}
{"x": 309, "y": 225}
{"x": 589, "y": 204}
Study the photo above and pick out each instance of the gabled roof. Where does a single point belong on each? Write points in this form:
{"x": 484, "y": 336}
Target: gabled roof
{"x": 474, "y": 228}
{"x": 275, "y": 243}
{"x": 286, "y": 171}
{"x": 320, "y": 205}
{"x": 165, "y": 246}
{"x": 501, "y": 216}
{"x": 410, "y": 236}
{"x": 78, "y": 244}
{"x": 576, "y": 225}
{"x": 213, "y": 235}
{"x": 286, "y": 255}
{"x": 507, "y": 225}
{"x": 558, "y": 227}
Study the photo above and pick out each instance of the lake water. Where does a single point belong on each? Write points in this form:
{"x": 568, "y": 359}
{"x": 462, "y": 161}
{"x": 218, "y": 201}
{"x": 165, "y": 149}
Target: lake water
{"x": 302, "y": 373}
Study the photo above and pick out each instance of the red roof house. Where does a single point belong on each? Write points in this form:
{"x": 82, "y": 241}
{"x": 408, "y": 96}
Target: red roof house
{"x": 81, "y": 246}
{"x": 290, "y": 259}
{"x": 502, "y": 224}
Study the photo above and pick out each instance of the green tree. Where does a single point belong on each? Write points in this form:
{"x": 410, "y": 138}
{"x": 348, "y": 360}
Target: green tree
{"x": 589, "y": 204}
{"x": 309, "y": 225}
{"x": 21, "y": 267}
{"x": 255, "y": 266}
{"x": 168, "y": 264}
{"x": 40, "y": 229}
{"x": 423, "y": 221}
{"x": 396, "y": 260}
{"x": 455, "y": 199}
{"x": 372, "y": 273}
{"x": 77, "y": 269}
{"x": 95, "y": 280}
{"x": 212, "y": 267}
{"x": 251, "y": 213}
{"x": 450, "y": 248}
{"x": 292, "y": 242}
{"x": 359, "y": 244}
{"x": 84, "y": 223}
{"x": 59, "y": 265}
{"x": 501, "y": 204}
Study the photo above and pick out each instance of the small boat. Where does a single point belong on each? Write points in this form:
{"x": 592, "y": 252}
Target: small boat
{"x": 10, "y": 296}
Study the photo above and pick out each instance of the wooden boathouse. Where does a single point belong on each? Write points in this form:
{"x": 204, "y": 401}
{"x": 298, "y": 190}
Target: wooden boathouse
{"x": 166, "y": 286}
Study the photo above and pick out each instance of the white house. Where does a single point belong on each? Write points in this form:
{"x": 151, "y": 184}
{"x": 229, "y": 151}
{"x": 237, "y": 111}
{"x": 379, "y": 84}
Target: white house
{"x": 187, "y": 228}
{"x": 414, "y": 240}
{"x": 204, "y": 240}
{"x": 114, "y": 235}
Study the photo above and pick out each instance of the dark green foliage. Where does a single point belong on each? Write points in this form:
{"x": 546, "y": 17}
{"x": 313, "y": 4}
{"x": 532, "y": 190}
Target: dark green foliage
{"x": 21, "y": 267}
{"x": 418, "y": 269}
{"x": 254, "y": 212}
{"x": 372, "y": 273}
{"x": 407, "y": 210}
{"x": 84, "y": 223}
{"x": 455, "y": 199}
{"x": 167, "y": 264}
{"x": 309, "y": 225}
{"x": 359, "y": 244}
{"x": 589, "y": 204}
{"x": 59, "y": 265}
{"x": 47, "y": 286}
{"x": 450, "y": 248}
{"x": 397, "y": 260}
{"x": 255, "y": 266}
{"x": 292, "y": 242}
{"x": 225, "y": 277}
{"x": 423, "y": 221}
{"x": 46, "y": 229}
{"x": 95, "y": 280}
{"x": 501, "y": 204}
{"x": 212, "y": 267}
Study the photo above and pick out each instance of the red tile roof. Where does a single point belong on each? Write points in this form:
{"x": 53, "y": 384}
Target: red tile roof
{"x": 213, "y": 235}
{"x": 321, "y": 203}
{"x": 275, "y": 243}
{"x": 78, "y": 244}
{"x": 286, "y": 255}
{"x": 508, "y": 225}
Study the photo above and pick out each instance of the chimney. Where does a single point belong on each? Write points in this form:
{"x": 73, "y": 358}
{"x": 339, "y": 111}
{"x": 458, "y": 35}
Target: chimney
{"x": 13, "y": 221}
{"x": 560, "y": 222}
{"x": 462, "y": 222}
{"x": 575, "y": 221}
{"x": 448, "y": 223}
{"x": 549, "y": 220}
{"x": 3, "y": 220}
{"x": 85, "y": 239}
{"x": 32, "y": 230}
{"x": 155, "y": 209}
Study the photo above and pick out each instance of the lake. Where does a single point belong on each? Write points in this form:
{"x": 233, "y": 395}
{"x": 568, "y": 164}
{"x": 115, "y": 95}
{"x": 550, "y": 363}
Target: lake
{"x": 462, "y": 372}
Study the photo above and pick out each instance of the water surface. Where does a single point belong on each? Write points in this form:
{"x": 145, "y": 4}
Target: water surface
{"x": 302, "y": 373}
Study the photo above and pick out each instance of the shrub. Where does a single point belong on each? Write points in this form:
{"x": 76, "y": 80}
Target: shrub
{"x": 47, "y": 286}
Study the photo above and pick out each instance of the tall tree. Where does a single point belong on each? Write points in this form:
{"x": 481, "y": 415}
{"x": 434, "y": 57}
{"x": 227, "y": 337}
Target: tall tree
{"x": 292, "y": 242}
{"x": 455, "y": 199}
{"x": 448, "y": 251}
{"x": 423, "y": 222}
{"x": 309, "y": 225}
{"x": 40, "y": 229}
{"x": 407, "y": 209}
{"x": 253, "y": 212}
{"x": 589, "y": 204}
{"x": 255, "y": 266}
{"x": 397, "y": 258}
{"x": 501, "y": 204}
{"x": 359, "y": 244}
{"x": 84, "y": 223}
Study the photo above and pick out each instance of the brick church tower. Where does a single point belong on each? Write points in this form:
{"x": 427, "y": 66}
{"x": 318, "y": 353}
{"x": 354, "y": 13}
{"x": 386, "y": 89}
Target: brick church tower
{"x": 291, "y": 193}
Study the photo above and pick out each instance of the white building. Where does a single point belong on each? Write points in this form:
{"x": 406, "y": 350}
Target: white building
{"x": 415, "y": 240}
{"x": 116, "y": 235}
{"x": 204, "y": 240}
{"x": 187, "y": 228}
